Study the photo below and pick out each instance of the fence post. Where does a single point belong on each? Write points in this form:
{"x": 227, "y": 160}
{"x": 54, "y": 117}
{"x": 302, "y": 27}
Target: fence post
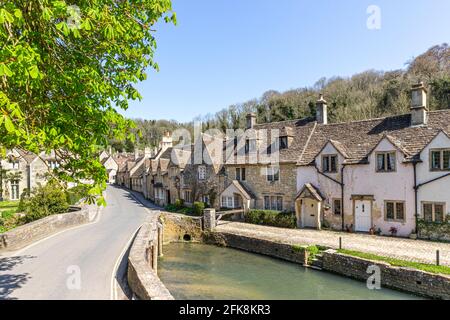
{"x": 209, "y": 218}
{"x": 340, "y": 243}
{"x": 438, "y": 258}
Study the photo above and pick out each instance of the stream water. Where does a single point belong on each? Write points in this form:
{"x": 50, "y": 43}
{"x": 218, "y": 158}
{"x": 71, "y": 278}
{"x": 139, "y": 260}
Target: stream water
{"x": 203, "y": 272}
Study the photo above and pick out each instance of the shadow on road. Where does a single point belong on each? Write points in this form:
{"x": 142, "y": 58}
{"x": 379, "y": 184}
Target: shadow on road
{"x": 10, "y": 282}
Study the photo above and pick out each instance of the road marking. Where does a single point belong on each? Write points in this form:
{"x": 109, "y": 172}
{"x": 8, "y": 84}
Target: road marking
{"x": 114, "y": 281}
{"x": 20, "y": 251}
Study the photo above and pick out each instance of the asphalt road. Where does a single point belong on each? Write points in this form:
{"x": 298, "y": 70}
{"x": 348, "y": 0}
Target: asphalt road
{"x": 79, "y": 263}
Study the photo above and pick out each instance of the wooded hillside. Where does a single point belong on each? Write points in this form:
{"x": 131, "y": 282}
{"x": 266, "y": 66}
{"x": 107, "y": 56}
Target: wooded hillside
{"x": 369, "y": 94}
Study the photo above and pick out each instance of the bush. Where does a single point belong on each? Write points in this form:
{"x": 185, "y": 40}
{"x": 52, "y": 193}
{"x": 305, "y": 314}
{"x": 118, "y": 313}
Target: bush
{"x": 44, "y": 201}
{"x": 198, "y": 208}
{"x": 179, "y": 204}
{"x": 75, "y": 194}
{"x": 271, "y": 218}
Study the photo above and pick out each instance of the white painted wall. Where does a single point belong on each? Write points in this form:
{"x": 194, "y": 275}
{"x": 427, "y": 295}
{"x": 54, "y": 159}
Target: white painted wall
{"x": 364, "y": 180}
{"x": 438, "y": 191}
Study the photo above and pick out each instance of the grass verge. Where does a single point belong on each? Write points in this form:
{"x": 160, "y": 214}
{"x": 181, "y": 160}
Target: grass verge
{"x": 399, "y": 263}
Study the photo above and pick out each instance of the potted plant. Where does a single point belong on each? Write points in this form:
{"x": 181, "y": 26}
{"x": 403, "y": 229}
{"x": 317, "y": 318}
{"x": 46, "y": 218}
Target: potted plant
{"x": 393, "y": 231}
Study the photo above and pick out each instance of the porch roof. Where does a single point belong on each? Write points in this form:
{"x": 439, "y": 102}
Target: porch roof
{"x": 308, "y": 191}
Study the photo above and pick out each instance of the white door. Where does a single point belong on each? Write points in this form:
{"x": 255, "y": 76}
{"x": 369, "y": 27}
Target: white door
{"x": 363, "y": 215}
{"x": 309, "y": 212}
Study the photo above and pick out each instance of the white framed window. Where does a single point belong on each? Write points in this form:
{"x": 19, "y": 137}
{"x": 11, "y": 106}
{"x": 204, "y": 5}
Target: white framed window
{"x": 386, "y": 161}
{"x": 227, "y": 202}
{"x": 202, "y": 172}
{"x": 273, "y": 173}
{"x": 394, "y": 211}
{"x": 440, "y": 160}
{"x": 53, "y": 164}
{"x": 15, "y": 164}
{"x": 329, "y": 163}
{"x": 433, "y": 212}
{"x": 15, "y": 190}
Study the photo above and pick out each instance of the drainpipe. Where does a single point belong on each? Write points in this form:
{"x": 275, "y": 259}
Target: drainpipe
{"x": 342, "y": 197}
{"x": 416, "y": 197}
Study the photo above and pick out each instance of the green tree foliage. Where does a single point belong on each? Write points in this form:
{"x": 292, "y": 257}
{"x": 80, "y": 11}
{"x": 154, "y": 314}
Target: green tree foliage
{"x": 64, "y": 70}
{"x": 44, "y": 201}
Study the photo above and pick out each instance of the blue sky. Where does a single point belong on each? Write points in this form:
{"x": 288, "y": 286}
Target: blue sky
{"x": 229, "y": 51}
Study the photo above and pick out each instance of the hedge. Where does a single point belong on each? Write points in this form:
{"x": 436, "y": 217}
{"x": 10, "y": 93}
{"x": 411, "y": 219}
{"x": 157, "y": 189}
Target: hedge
{"x": 271, "y": 218}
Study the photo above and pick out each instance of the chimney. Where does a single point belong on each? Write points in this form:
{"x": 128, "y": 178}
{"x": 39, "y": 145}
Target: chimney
{"x": 419, "y": 109}
{"x": 136, "y": 154}
{"x": 321, "y": 110}
{"x": 110, "y": 151}
{"x": 251, "y": 120}
{"x": 148, "y": 152}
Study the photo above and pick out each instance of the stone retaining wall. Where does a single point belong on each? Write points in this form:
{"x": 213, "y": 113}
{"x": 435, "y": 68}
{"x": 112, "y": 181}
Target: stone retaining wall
{"x": 404, "y": 279}
{"x": 143, "y": 262}
{"x": 269, "y": 248}
{"x": 177, "y": 226}
{"x": 22, "y": 236}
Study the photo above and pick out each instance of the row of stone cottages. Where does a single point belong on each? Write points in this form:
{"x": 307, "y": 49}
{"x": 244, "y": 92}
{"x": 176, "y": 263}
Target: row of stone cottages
{"x": 385, "y": 175}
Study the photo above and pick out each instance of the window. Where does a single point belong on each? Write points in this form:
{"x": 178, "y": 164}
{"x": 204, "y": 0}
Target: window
{"x": 337, "y": 207}
{"x": 273, "y": 174}
{"x": 283, "y": 143}
{"x": 433, "y": 212}
{"x": 188, "y": 196}
{"x": 15, "y": 190}
{"x": 201, "y": 172}
{"x": 273, "y": 203}
{"x": 53, "y": 164}
{"x": 15, "y": 164}
{"x": 440, "y": 160}
{"x": 227, "y": 202}
{"x": 250, "y": 145}
{"x": 394, "y": 210}
{"x": 329, "y": 163}
{"x": 240, "y": 174}
{"x": 386, "y": 161}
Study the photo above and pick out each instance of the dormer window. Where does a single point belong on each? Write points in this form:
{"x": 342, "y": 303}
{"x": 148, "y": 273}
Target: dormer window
{"x": 53, "y": 164}
{"x": 201, "y": 172}
{"x": 329, "y": 163}
{"x": 440, "y": 160}
{"x": 284, "y": 143}
{"x": 386, "y": 161}
{"x": 14, "y": 164}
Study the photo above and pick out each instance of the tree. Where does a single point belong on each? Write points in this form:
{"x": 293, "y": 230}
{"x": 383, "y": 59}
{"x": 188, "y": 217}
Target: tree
{"x": 64, "y": 70}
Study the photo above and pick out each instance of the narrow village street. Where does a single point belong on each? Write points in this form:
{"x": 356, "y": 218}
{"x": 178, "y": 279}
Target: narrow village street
{"x": 49, "y": 269}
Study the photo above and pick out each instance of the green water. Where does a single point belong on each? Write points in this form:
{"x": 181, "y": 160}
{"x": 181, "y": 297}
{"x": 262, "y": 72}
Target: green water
{"x": 202, "y": 272}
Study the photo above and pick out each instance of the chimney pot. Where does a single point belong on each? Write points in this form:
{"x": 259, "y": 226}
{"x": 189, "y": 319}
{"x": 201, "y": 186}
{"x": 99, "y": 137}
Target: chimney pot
{"x": 321, "y": 110}
{"x": 251, "y": 120}
{"x": 419, "y": 108}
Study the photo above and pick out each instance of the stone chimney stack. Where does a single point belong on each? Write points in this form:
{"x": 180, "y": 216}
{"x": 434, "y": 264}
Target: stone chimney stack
{"x": 321, "y": 110}
{"x": 136, "y": 154}
{"x": 419, "y": 105}
{"x": 251, "y": 120}
{"x": 148, "y": 152}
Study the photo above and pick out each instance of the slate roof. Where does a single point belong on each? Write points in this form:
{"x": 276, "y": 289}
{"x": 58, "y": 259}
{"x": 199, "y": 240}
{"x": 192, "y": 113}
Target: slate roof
{"x": 357, "y": 139}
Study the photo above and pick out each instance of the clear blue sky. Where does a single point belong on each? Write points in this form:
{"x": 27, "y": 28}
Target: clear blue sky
{"x": 229, "y": 51}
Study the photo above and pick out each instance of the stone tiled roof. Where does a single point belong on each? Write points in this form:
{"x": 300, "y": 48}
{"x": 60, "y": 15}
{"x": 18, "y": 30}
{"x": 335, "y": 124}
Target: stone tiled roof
{"x": 27, "y": 155}
{"x": 359, "y": 138}
{"x": 164, "y": 164}
{"x": 139, "y": 170}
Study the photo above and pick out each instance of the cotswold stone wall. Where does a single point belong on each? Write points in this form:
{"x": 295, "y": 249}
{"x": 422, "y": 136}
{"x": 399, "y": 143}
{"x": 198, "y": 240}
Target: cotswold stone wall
{"x": 177, "y": 226}
{"x": 257, "y": 182}
{"x": 404, "y": 279}
{"x": 269, "y": 248}
{"x": 24, "y": 235}
{"x": 143, "y": 262}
